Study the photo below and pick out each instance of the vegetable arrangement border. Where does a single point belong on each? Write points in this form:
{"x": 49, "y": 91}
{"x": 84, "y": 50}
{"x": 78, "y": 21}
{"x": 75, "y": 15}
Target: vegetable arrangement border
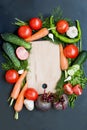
{"x": 16, "y": 49}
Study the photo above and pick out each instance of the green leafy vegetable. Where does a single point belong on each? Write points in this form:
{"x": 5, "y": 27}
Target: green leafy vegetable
{"x": 79, "y": 78}
{"x": 72, "y": 98}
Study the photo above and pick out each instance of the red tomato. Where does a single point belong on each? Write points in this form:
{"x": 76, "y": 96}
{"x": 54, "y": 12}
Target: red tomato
{"x": 77, "y": 89}
{"x": 31, "y": 94}
{"x": 24, "y": 31}
{"x": 71, "y": 51}
{"x": 35, "y": 23}
{"x": 68, "y": 88}
{"x": 11, "y": 76}
{"x": 62, "y": 26}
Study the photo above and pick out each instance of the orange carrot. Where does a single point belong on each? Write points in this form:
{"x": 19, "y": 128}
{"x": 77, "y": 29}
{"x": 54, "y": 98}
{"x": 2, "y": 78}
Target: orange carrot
{"x": 40, "y": 34}
{"x": 17, "y": 87}
{"x": 63, "y": 59}
{"x": 20, "y": 100}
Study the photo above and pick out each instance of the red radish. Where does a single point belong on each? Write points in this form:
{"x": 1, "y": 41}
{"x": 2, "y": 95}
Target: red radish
{"x": 68, "y": 89}
{"x": 22, "y": 53}
{"x": 77, "y": 89}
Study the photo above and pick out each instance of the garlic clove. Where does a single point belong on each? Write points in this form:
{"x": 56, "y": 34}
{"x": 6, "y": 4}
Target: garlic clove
{"x": 20, "y": 71}
{"x": 50, "y": 35}
{"x": 29, "y": 104}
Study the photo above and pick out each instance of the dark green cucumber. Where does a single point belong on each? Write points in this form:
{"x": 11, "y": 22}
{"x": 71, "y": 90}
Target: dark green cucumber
{"x": 14, "y": 39}
{"x": 81, "y": 58}
{"x": 9, "y": 50}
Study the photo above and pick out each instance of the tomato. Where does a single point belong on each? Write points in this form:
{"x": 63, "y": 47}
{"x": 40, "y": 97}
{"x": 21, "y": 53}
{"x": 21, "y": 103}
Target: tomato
{"x": 24, "y": 31}
{"x": 68, "y": 88}
{"x": 62, "y": 26}
{"x": 35, "y": 23}
{"x": 71, "y": 51}
{"x": 11, "y": 76}
{"x": 31, "y": 94}
{"x": 77, "y": 89}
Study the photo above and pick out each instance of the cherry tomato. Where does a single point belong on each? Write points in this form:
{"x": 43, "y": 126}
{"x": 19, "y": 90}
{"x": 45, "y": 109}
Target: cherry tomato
{"x": 71, "y": 51}
{"x": 62, "y": 26}
{"x": 77, "y": 89}
{"x": 31, "y": 94}
{"x": 24, "y": 31}
{"x": 11, "y": 76}
{"x": 35, "y": 23}
{"x": 68, "y": 88}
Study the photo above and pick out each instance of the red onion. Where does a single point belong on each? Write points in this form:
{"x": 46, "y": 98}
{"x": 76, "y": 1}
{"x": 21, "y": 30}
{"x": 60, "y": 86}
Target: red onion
{"x": 42, "y": 105}
{"x": 62, "y": 103}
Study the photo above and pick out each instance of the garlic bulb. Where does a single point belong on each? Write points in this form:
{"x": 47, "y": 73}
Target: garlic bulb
{"x": 29, "y": 104}
{"x": 72, "y": 32}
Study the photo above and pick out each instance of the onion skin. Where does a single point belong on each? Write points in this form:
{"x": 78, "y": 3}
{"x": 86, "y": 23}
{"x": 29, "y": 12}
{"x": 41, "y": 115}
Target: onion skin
{"x": 42, "y": 105}
{"x": 59, "y": 105}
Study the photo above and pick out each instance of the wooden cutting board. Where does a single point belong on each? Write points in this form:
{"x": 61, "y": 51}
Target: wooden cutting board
{"x": 44, "y": 66}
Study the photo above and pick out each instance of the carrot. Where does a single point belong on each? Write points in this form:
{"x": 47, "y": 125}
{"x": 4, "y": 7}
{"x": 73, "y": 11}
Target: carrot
{"x": 40, "y": 34}
{"x": 63, "y": 60}
{"x": 20, "y": 100}
{"x": 17, "y": 87}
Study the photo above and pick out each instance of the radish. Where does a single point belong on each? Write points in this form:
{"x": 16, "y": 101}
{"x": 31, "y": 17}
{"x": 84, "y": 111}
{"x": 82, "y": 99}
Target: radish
{"x": 22, "y": 53}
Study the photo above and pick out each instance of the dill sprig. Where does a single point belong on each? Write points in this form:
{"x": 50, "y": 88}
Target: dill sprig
{"x": 57, "y": 13}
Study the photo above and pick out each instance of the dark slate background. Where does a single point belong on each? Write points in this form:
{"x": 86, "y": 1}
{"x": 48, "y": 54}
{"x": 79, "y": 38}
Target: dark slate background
{"x": 70, "y": 119}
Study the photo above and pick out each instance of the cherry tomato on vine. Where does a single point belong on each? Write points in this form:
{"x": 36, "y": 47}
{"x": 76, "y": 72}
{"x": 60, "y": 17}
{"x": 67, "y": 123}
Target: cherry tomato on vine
{"x": 24, "y": 31}
{"x": 77, "y": 89}
{"x": 35, "y": 23}
{"x": 11, "y": 76}
{"x": 31, "y": 94}
{"x": 62, "y": 26}
{"x": 68, "y": 88}
{"x": 71, "y": 51}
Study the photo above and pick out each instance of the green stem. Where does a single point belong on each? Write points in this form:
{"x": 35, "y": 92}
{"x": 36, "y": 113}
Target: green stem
{"x": 12, "y": 100}
{"x": 65, "y": 74}
{"x": 16, "y": 115}
{"x": 80, "y": 45}
{"x": 51, "y": 28}
{"x": 9, "y": 99}
{"x": 20, "y": 22}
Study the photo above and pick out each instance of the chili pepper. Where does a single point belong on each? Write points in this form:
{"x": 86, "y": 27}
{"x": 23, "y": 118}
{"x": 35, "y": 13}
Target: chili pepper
{"x": 62, "y": 37}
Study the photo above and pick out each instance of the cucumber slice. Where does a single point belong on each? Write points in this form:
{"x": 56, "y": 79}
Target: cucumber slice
{"x": 73, "y": 69}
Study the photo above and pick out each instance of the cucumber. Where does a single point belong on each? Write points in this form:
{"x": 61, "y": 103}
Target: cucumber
{"x": 81, "y": 58}
{"x": 9, "y": 50}
{"x": 14, "y": 39}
